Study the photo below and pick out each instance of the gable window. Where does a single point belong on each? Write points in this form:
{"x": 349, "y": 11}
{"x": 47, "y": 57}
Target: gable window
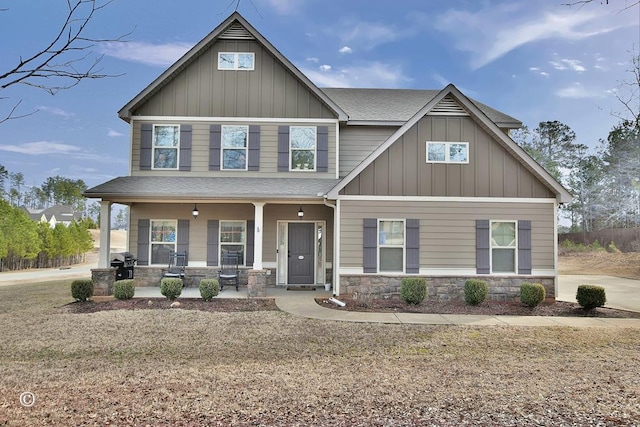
{"x": 391, "y": 245}
{"x": 447, "y": 152}
{"x": 302, "y": 146}
{"x": 234, "y": 147}
{"x": 163, "y": 240}
{"x": 233, "y": 239}
{"x": 166, "y": 144}
{"x": 236, "y": 60}
{"x": 503, "y": 246}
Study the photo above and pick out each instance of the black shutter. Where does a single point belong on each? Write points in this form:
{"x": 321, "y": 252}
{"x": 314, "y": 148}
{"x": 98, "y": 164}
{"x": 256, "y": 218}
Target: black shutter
{"x": 524, "y": 247}
{"x": 483, "y": 264}
{"x": 254, "y": 148}
{"x": 146, "y": 145}
{"x": 322, "y": 148}
{"x": 370, "y": 245}
{"x": 143, "y": 241}
{"x": 183, "y": 238}
{"x": 185, "y": 147}
{"x": 212, "y": 241}
{"x": 215, "y": 142}
{"x": 248, "y": 256}
{"x": 413, "y": 246}
{"x": 283, "y": 148}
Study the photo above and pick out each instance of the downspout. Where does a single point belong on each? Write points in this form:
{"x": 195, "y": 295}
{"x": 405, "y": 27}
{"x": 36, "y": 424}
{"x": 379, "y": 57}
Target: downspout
{"x": 336, "y": 251}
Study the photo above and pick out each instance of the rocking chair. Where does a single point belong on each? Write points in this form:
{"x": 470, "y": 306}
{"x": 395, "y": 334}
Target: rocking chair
{"x": 229, "y": 271}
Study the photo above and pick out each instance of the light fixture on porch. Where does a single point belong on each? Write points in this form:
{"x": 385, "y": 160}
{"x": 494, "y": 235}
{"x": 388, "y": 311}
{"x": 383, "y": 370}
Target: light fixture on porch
{"x": 300, "y": 213}
{"x": 195, "y": 211}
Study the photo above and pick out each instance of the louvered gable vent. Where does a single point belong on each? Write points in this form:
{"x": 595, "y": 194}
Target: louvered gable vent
{"x": 448, "y": 107}
{"x": 236, "y": 31}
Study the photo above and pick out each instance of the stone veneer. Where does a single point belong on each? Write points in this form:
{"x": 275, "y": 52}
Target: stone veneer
{"x": 442, "y": 288}
{"x": 103, "y": 280}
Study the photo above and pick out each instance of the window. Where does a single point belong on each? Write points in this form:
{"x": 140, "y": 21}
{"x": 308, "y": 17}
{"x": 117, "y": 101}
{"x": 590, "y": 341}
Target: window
{"x": 391, "y": 246}
{"x": 166, "y": 143}
{"x": 447, "y": 152}
{"x": 233, "y": 239}
{"x": 302, "y": 145}
{"x": 163, "y": 240}
{"x": 503, "y": 246}
{"x": 236, "y": 60}
{"x": 234, "y": 147}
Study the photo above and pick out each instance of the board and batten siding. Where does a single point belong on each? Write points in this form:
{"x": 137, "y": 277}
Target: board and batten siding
{"x": 402, "y": 169}
{"x": 200, "y": 135}
{"x": 357, "y": 142}
{"x": 201, "y": 90}
{"x": 447, "y": 229}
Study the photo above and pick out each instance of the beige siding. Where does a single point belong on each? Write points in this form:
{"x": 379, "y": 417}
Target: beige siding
{"x": 447, "y": 229}
{"x": 357, "y": 142}
{"x": 402, "y": 169}
{"x": 201, "y": 90}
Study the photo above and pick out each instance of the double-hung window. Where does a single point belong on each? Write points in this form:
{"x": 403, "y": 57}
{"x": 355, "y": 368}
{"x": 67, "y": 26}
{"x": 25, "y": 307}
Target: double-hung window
{"x": 166, "y": 146}
{"x": 302, "y": 146}
{"x": 447, "y": 152}
{"x": 234, "y": 147}
{"x": 163, "y": 240}
{"x": 236, "y": 61}
{"x": 233, "y": 239}
{"x": 503, "y": 246}
{"x": 391, "y": 245}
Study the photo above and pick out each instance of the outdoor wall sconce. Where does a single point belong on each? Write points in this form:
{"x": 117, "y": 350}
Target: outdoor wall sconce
{"x": 300, "y": 213}
{"x": 195, "y": 211}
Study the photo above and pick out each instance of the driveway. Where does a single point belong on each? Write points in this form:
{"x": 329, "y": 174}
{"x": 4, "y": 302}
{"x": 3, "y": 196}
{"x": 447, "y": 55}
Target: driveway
{"x": 621, "y": 293}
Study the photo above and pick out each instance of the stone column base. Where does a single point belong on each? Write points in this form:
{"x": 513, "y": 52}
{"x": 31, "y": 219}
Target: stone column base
{"x": 103, "y": 280}
{"x": 257, "y": 283}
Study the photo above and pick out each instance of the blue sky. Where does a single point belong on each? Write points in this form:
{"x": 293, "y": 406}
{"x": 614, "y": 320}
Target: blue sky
{"x": 534, "y": 60}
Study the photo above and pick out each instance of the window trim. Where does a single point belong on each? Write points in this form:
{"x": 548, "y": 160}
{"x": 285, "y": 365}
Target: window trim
{"x": 403, "y": 246}
{"x": 315, "y": 150}
{"x": 154, "y": 146}
{"x": 235, "y": 61}
{"x": 221, "y": 243}
{"x": 222, "y": 148}
{"x": 447, "y": 152}
{"x": 515, "y": 247}
{"x": 151, "y": 242}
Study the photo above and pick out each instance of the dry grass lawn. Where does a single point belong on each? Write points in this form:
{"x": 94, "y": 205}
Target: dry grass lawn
{"x": 191, "y": 368}
{"x": 601, "y": 263}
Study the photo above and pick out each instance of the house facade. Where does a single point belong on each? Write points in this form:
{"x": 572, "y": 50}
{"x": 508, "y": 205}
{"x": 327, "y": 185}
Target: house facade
{"x": 234, "y": 150}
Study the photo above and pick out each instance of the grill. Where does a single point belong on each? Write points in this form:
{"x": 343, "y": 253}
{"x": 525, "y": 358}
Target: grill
{"x": 124, "y": 262}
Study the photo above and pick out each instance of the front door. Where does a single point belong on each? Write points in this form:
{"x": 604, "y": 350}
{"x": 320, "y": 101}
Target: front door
{"x": 300, "y": 255}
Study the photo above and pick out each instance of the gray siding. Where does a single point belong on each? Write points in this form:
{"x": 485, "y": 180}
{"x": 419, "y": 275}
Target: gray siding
{"x": 447, "y": 229}
{"x": 357, "y": 142}
{"x": 402, "y": 169}
{"x": 201, "y": 90}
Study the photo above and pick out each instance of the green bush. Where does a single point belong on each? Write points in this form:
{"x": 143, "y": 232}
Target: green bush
{"x": 612, "y": 248}
{"x": 171, "y": 287}
{"x": 82, "y": 289}
{"x": 532, "y": 294}
{"x": 591, "y": 296}
{"x": 124, "y": 289}
{"x": 476, "y": 291}
{"x": 413, "y": 290}
{"x": 209, "y": 288}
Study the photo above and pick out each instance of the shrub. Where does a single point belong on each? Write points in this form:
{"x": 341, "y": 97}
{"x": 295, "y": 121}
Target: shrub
{"x": 124, "y": 289}
{"x": 413, "y": 290}
{"x": 82, "y": 289}
{"x": 591, "y": 296}
{"x": 532, "y": 294}
{"x": 476, "y": 291}
{"x": 171, "y": 287}
{"x": 612, "y": 248}
{"x": 209, "y": 288}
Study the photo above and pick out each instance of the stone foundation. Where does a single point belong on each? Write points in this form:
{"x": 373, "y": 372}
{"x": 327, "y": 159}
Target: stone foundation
{"x": 103, "y": 280}
{"x": 256, "y": 285}
{"x": 501, "y": 288}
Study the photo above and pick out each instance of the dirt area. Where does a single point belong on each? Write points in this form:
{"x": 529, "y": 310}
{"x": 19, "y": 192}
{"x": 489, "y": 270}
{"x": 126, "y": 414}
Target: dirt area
{"x": 601, "y": 263}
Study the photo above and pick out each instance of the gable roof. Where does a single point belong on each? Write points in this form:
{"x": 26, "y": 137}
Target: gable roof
{"x": 60, "y": 212}
{"x": 235, "y": 26}
{"x": 562, "y": 195}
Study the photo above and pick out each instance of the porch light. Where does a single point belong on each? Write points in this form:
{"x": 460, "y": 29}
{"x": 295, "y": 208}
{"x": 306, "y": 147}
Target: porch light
{"x": 195, "y": 211}
{"x": 300, "y": 213}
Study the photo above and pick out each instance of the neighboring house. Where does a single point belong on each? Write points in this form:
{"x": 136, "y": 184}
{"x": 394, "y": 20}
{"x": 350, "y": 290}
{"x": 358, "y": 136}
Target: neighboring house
{"x": 58, "y": 214}
{"x": 354, "y": 187}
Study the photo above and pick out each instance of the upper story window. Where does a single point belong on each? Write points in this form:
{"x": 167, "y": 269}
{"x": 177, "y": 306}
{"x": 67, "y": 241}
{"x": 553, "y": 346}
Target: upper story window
{"x": 447, "y": 152}
{"x": 391, "y": 245}
{"x": 236, "y": 61}
{"x": 503, "y": 246}
{"x": 163, "y": 240}
{"x": 166, "y": 144}
{"x": 234, "y": 147}
{"x": 302, "y": 145}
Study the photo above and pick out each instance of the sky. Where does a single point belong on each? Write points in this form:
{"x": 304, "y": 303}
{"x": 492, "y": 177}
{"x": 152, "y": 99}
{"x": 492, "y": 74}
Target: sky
{"x": 534, "y": 60}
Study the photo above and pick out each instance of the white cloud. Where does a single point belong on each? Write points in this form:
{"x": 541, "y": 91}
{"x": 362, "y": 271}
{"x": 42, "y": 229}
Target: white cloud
{"x": 373, "y": 74}
{"x": 558, "y": 65}
{"x": 56, "y": 111}
{"x": 345, "y": 49}
{"x": 325, "y": 67}
{"x": 41, "y": 147}
{"x": 284, "y": 7}
{"x": 366, "y": 35}
{"x": 574, "y": 64}
{"x": 114, "y": 134}
{"x": 534, "y": 69}
{"x": 544, "y": 74}
{"x": 578, "y": 91}
{"x": 146, "y": 53}
{"x": 312, "y": 59}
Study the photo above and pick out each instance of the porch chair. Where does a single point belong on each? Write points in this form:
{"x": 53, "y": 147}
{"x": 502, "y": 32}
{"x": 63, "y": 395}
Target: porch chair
{"x": 177, "y": 264}
{"x": 229, "y": 271}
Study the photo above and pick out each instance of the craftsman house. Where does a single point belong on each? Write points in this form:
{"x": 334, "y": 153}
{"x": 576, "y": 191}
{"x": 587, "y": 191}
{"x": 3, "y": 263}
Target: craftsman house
{"x": 234, "y": 150}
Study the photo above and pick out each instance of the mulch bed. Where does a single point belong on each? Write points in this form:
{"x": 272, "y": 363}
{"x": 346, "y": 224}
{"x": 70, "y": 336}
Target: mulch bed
{"x": 216, "y": 305}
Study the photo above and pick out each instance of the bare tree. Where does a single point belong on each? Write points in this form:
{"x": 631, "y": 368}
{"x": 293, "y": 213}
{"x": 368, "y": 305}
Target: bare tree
{"x": 628, "y": 92}
{"x": 64, "y": 61}
{"x": 581, "y": 3}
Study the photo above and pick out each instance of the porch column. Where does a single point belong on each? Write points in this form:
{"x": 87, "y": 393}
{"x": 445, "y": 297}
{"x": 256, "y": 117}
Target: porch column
{"x": 105, "y": 234}
{"x": 258, "y": 232}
